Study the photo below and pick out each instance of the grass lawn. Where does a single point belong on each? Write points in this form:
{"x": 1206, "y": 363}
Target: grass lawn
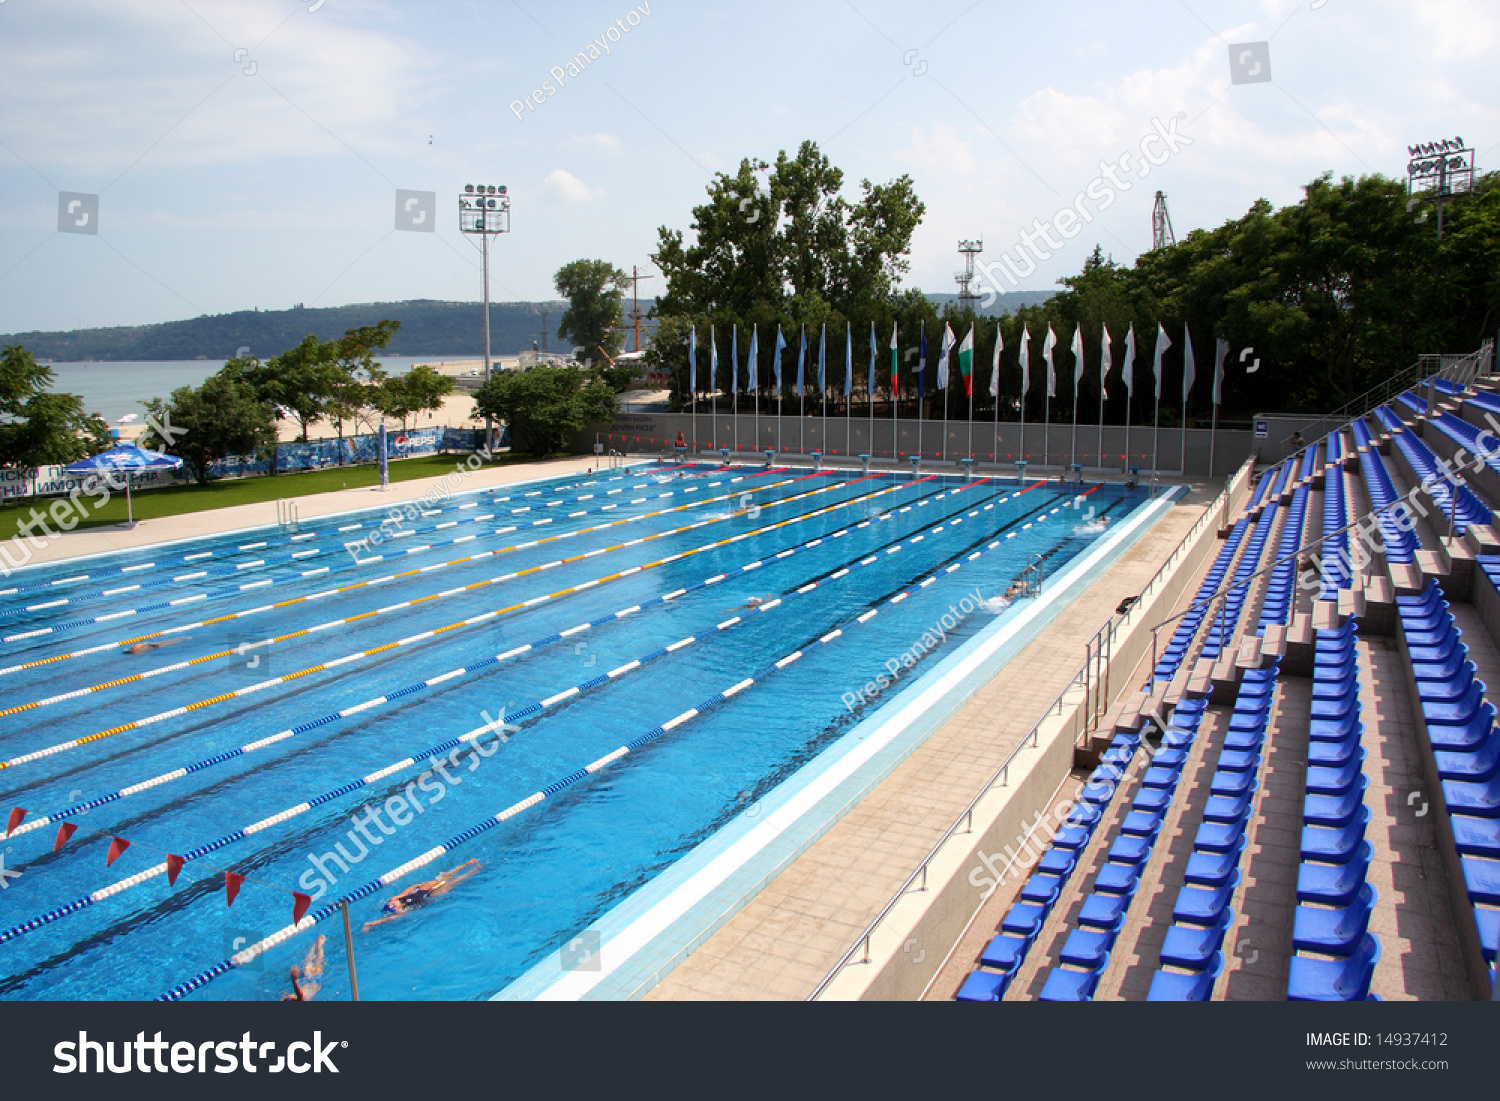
{"x": 153, "y": 504}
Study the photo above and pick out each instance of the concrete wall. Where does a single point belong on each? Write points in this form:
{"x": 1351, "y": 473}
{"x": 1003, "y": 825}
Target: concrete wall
{"x": 1004, "y": 443}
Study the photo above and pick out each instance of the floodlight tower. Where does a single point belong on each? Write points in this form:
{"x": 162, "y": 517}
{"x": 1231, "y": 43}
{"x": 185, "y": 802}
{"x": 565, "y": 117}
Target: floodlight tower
{"x": 484, "y": 209}
{"x": 1443, "y": 169}
{"x": 967, "y": 298}
{"x": 1161, "y": 223}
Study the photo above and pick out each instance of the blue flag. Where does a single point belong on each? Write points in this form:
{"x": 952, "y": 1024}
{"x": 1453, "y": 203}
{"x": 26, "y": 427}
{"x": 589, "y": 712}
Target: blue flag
{"x": 870, "y": 387}
{"x": 776, "y": 365}
{"x": 922, "y": 364}
{"x": 734, "y": 359}
{"x": 751, "y": 372}
{"x": 713, "y": 360}
{"x": 848, "y": 359}
{"x": 801, "y": 360}
{"x": 822, "y": 362}
{"x": 693, "y": 360}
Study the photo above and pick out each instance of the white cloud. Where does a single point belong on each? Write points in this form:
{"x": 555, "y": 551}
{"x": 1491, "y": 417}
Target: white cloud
{"x": 569, "y": 186}
{"x": 603, "y": 143}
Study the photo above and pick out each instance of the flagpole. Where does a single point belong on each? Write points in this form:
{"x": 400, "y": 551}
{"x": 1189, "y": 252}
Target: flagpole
{"x": 693, "y": 390}
{"x": 895, "y": 395}
{"x": 995, "y": 397}
{"x": 944, "y": 390}
{"x": 870, "y": 393}
{"x": 1212, "y": 439}
{"x": 970, "y": 383}
{"x": 754, "y": 380}
{"x": 1104, "y": 358}
{"x": 734, "y": 384}
{"x": 921, "y": 386}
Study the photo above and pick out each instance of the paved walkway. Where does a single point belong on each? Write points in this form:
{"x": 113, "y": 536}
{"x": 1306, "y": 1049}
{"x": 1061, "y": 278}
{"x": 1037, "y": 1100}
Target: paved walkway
{"x": 786, "y": 939}
{"x": 217, "y": 521}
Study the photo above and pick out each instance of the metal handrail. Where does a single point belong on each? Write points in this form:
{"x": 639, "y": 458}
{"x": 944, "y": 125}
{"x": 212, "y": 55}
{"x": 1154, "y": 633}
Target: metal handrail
{"x": 1001, "y": 774}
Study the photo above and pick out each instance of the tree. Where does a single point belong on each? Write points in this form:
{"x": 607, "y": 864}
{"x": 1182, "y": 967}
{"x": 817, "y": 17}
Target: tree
{"x": 37, "y": 427}
{"x": 302, "y": 380}
{"x": 223, "y": 417}
{"x": 359, "y": 374}
{"x": 545, "y": 405}
{"x": 417, "y": 391}
{"x": 595, "y": 290}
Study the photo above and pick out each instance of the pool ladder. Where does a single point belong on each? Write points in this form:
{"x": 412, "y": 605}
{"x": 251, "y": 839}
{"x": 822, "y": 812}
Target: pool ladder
{"x": 1033, "y": 575}
{"x": 286, "y": 515}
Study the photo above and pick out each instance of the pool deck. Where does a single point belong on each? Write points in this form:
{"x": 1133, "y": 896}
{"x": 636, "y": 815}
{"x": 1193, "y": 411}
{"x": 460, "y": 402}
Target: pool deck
{"x": 786, "y": 939}
{"x": 210, "y": 522}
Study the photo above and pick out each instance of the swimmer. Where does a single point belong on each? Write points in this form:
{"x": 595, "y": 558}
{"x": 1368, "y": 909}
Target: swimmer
{"x": 155, "y": 644}
{"x": 420, "y": 894}
{"x": 753, "y": 603}
{"x": 312, "y": 968}
{"x": 1015, "y": 590}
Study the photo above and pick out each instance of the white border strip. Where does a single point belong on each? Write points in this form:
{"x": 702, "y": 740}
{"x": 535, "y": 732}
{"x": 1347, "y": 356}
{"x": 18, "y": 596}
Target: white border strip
{"x": 642, "y": 931}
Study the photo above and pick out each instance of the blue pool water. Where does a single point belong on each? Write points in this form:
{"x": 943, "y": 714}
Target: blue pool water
{"x": 551, "y": 869}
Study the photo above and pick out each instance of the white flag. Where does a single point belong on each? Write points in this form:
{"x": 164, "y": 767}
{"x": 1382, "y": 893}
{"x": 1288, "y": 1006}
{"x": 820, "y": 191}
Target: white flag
{"x": 995, "y": 370}
{"x": 1106, "y": 358}
{"x": 942, "y": 378}
{"x": 1025, "y": 360}
{"x": 1221, "y": 352}
{"x": 1189, "y": 367}
{"x": 1077, "y": 358}
{"x": 1127, "y": 372}
{"x": 1047, "y": 346}
{"x": 1163, "y": 342}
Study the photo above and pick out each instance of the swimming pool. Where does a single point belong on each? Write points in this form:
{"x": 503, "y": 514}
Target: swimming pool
{"x": 551, "y": 624}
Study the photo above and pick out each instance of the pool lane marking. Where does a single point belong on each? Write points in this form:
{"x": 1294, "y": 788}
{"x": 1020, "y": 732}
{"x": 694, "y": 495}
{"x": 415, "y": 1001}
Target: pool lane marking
{"x": 137, "y": 724}
{"x": 358, "y": 562}
{"x": 304, "y": 536}
{"x": 441, "y": 749}
{"x": 146, "y": 608}
{"x": 243, "y": 957}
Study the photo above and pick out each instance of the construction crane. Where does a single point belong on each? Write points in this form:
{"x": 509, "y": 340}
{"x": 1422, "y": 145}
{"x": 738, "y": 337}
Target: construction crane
{"x": 1161, "y": 223}
{"x": 967, "y": 298}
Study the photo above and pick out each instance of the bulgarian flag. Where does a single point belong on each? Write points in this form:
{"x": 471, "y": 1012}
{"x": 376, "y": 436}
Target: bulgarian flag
{"x": 895, "y": 358}
{"x": 966, "y": 361}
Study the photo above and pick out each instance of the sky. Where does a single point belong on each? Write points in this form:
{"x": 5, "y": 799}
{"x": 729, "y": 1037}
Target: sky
{"x": 234, "y": 154}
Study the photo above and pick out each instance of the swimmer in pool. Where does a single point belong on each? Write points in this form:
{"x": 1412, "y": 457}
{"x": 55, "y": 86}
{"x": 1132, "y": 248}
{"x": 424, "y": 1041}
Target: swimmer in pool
{"x": 155, "y": 644}
{"x": 312, "y": 968}
{"x": 420, "y": 894}
{"x": 1015, "y": 590}
{"x": 752, "y": 603}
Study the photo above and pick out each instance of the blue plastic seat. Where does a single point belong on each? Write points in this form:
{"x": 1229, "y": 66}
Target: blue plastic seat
{"x": 1348, "y": 980}
{"x": 1489, "y": 932}
{"x": 1083, "y": 814}
{"x": 1024, "y": 920}
{"x": 1174, "y": 986}
{"x": 1229, "y": 808}
{"x": 1335, "y": 781}
{"x": 1332, "y": 710}
{"x": 1160, "y": 777}
{"x": 1335, "y": 730}
{"x": 1476, "y": 836}
{"x": 1334, "y": 884}
{"x": 1072, "y": 837}
{"x": 1177, "y": 739}
{"x": 1151, "y": 800}
{"x": 1336, "y": 931}
{"x": 1063, "y": 985}
{"x": 1118, "y": 879}
{"x": 1058, "y": 862}
{"x": 1005, "y": 952}
{"x": 1333, "y": 754}
{"x": 1218, "y": 837}
{"x": 1087, "y": 948}
{"x": 983, "y": 986}
{"x": 1336, "y": 844}
{"x": 1466, "y": 730}
{"x": 1445, "y": 669}
{"x": 1245, "y": 741}
{"x": 1214, "y": 869}
{"x": 1238, "y": 760}
{"x": 1203, "y": 905}
{"x": 1481, "y": 799}
{"x": 1193, "y": 947}
{"x": 1140, "y": 823}
{"x": 1334, "y": 810}
{"x": 1232, "y": 784}
{"x": 1131, "y": 850}
{"x": 1097, "y": 793}
{"x": 1437, "y": 692}
{"x": 1042, "y": 890}
{"x": 1475, "y": 767}
{"x": 1481, "y": 879}
{"x": 1103, "y": 912}
{"x": 1170, "y": 758}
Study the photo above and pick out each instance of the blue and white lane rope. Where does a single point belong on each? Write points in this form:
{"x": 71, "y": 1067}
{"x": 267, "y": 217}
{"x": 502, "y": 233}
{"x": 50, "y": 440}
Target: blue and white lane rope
{"x": 529, "y": 711}
{"x": 241, "y": 958}
{"x": 303, "y": 728}
{"x": 298, "y": 538}
{"x": 198, "y": 575}
{"x": 238, "y": 693}
{"x": 199, "y": 597}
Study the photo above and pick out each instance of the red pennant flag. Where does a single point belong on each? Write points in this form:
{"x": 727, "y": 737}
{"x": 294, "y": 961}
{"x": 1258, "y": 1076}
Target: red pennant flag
{"x": 14, "y": 820}
{"x": 232, "y": 886}
{"x": 117, "y": 847}
{"x": 64, "y": 831}
{"x": 299, "y": 907}
{"x": 174, "y": 865}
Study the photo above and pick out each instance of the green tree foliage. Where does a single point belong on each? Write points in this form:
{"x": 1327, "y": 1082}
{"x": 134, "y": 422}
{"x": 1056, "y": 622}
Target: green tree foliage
{"x": 417, "y": 391}
{"x": 223, "y": 417}
{"x": 302, "y": 380}
{"x": 546, "y": 405}
{"x": 38, "y": 427}
{"x": 595, "y": 290}
{"x": 359, "y": 373}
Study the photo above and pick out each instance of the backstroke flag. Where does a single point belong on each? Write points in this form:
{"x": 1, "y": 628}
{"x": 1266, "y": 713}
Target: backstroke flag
{"x": 1221, "y": 352}
{"x": 1189, "y": 366}
{"x": 1106, "y": 359}
{"x": 1163, "y": 342}
{"x": 1077, "y": 357}
{"x": 801, "y": 360}
{"x": 1047, "y": 346}
{"x": 751, "y": 373}
{"x": 942, "y": 378}
{"x": 995, "y": 370}
{"x": 966, "y": 361}
{"x": 693, "y": 360}
{"x": 1127, "y": 372}
{"x": 1025, "y": 360}
{"x": 776, "y": 365}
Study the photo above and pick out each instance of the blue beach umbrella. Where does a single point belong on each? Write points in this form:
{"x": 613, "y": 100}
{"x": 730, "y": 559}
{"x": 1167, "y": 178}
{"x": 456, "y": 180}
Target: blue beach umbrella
{"x": 128, "y": 458}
